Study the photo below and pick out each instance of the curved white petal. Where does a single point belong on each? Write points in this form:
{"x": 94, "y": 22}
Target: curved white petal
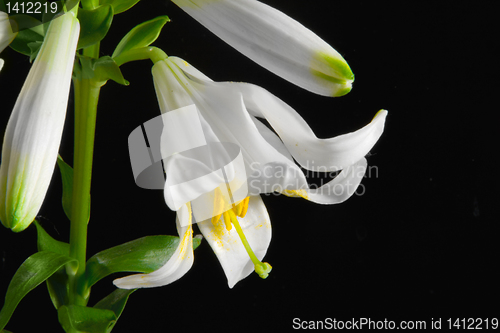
{"x": 339, "y": 189}
{"x": 230, "y": 110}
{"x": 276, "y": 42}
{"x": 271, "y": 138}
{"x": 308, "y": 150}
{"x": 227, "y": 244}
{"x": 1, "y": 64}
{"x": 6, "y": 32}
{"x": 178, "y": 265}
{"x": 34, "y": 131}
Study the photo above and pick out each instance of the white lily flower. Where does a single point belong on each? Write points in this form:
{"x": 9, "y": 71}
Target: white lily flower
{"x": 34, "y": 130}
{"x": 7, "y": 34}
{"x": 276, "y": 42}
{"x": 228, "y": 113}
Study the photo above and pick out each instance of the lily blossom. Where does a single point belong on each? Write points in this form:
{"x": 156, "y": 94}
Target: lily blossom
{"x": 229, "y": 112}
{"x": 276, "y": 42}
{"x": 35, "y": 127}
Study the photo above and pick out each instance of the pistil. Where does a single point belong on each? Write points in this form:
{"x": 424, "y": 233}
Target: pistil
{"x": 261, "y": 268}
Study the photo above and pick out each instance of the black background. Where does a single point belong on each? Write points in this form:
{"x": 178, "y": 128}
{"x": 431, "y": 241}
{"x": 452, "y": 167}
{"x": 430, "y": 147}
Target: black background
{"x": 420, "y": 243}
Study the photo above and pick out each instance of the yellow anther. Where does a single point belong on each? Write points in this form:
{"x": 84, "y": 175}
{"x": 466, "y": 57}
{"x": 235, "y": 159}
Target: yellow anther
{"x": 244, "y": 207}
{"x": 216, "y": 219}
{"x": 237, "y": 209}
{"x": 218, "y": 205}
{"x": 227, "y": 220}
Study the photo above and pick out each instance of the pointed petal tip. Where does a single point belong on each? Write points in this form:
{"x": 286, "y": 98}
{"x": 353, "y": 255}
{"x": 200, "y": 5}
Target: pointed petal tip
{"x": 381, "y": 114}
{"x": 343, "y": 91}
{"x": 125, "y": 283}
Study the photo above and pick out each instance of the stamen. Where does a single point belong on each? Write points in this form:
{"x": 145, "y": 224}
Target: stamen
{"x": 238, "y": 208}
{"x": 244, "y": 207}
{"x": 216, "y": 219}
{"x": 227, "y": 220}
{"x": 218, "y": 205}
{"x": 261, "y": 268}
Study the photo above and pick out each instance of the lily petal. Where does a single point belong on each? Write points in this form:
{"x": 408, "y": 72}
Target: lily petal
{"x": 230, "y": 110}
{"x": 34, "y": 130}
{"x": 227, "y": 244}
{"x": 178, "y": 265}
{"x": 276, "y": 42}
{"x": 339, "y": 189}
{"x": 309, "y": 151}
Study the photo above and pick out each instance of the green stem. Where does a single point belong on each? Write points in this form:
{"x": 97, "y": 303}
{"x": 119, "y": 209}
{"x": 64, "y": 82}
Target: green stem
{"x": 149, "y": 52}
{"x": 86, "y": 98}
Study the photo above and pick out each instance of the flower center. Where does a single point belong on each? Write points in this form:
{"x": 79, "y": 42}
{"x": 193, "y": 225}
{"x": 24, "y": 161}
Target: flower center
{"x": 230, "y": 220}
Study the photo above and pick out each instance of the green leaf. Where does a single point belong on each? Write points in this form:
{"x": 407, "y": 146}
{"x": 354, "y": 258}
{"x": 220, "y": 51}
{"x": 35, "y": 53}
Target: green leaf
{"x": 33, "y": 271}
{"x": 34, "y": 47}
{"x": 106, "y": 69}
{"x": 141, "y": 36}
{"x": 46, "y": 243}
{"x": 119, "y": 6}
{"x": 26, "y": 35}
{"x": 94, "y": 25}
{"x": 57, "y": 284}
{"x": 75, "y": 318}
{"x": 143, "y": 255}
{"x": 67, "y": 184}
{"x": 115, "y": 301}
{"x": 100, "y": 70}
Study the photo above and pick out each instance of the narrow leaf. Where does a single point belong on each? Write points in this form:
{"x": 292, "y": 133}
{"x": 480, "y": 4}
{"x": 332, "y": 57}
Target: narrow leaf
{"x": 143, "y": 255}
{"x": 120, "y": 6}
{"x": 94, "y": 25}
{"x": 33, "y": 271}
{"x": 141, "y": 36}
{"x": 67, "y": 184}
{"x": 106, "y": 69}
{"x": 115, "y": 301}
{"x": 46, "y": 243}
{"x": 57, "y": 284}
{"x": 34, "y": 48}
{"x": 30, "y": 31}
{"x": 74, "y": 318}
